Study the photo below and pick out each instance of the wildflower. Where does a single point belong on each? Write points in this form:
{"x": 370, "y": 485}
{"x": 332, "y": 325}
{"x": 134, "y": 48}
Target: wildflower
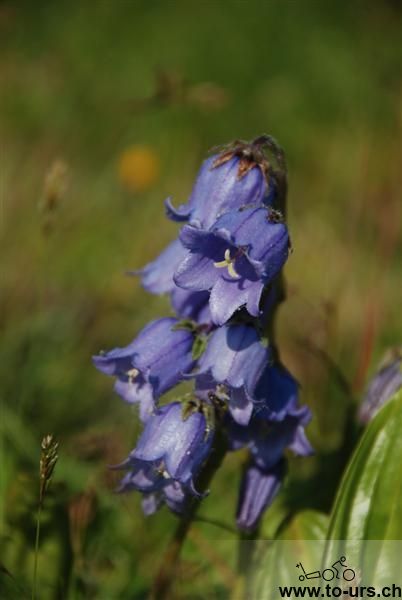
{"x": 267, "y": 439}
{"x": 385, "y": 383}
{"x": 233, "y": 362}
{"x": 188, "y": 304}
{"x": 168, "y": 456}
{"x": 173, "y": 495}
{"x": 157, "y": 276}
{"x": 257, "y": 491}
{"x": 151, "y": 364}
{"x": 276, "y": 393}
{"x": 234, "y": 260}
{"x": 231, "y": 249}
{"x": 221, "y": 187}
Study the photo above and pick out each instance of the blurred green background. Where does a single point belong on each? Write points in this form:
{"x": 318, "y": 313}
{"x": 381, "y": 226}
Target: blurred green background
{"x": 107, "y": 108}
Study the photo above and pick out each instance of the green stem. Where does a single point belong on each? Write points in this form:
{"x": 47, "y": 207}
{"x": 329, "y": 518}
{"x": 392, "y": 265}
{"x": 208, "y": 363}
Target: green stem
{"x": 35, "y": 571}
{"x": 163, "y": 583}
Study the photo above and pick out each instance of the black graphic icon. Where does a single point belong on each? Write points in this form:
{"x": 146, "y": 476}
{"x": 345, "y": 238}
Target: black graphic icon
{"x": 330, "y": 573}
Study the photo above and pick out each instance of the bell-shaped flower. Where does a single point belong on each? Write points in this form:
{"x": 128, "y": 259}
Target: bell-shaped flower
{"x": 157, "y": 276}
{"x": 234, "y": 260}
{"x": 267, "y": 440}
{"x": 276, "y": 393}
{"x": 174, "y": 495}
{"x": 154, "y": 362}
{"x": 188, "y": 304}
{"x": 385, "y": 383}
{"x": 234, "y": 360}
{"x": 258, "y": 489}
{"x": 220, "y": 188}
{"x": 168, "y": 457}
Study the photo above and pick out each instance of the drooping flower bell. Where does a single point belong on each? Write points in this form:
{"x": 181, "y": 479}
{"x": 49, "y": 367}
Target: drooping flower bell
{"x": 231, "y": 366}
{"x": 238, "y": 176}
{"x": 157, "y": 276}
{"x": 168, "y": 456}
{"x": 257, "y": 491}
{"x": 188, "y": 304}
{"x": 234, "y": 260}
{"x": 385, "y": 383}
{"x": 276, "y": 393}
{"x": 267, "y": 441}
{"x": 154, "y": 362}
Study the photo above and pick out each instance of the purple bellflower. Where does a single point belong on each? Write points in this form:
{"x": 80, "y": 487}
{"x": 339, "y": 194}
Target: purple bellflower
{"x": 167, "y": 457}
{"x": 267, "y": 441}
{"x": 231, "y": 366}
{"x": 188, "y": 304}
{"x": 385, "y": 383}
{"x": 221, "y": 275}
{"x": 276, "y": 393}
{"x": 151, "y": 364}
{"x": 234, "y": 260}
{"x": 219, "y": 188}
{"x": 257, "y": 491}
{"x": 157, "y": 276}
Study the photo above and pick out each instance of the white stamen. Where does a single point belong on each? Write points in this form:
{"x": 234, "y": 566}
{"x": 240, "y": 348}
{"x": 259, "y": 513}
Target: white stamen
{"x": 227, "y": 263}
{"x": 132, "y": 374}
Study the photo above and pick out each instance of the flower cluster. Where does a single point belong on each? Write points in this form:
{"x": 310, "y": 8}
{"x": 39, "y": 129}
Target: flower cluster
{"x": 220, "y": 274}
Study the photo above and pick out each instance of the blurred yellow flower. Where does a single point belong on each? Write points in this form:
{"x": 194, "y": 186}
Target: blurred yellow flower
{"x": 138, "y": 168}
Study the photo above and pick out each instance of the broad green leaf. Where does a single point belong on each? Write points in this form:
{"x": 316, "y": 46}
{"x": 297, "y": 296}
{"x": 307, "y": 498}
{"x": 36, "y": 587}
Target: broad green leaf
{"x": 302, "y": 541}
{"x": 369, "y": 501}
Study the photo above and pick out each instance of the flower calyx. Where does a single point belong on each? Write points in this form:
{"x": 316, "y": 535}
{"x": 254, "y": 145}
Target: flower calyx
{"x": 252, "y": 154}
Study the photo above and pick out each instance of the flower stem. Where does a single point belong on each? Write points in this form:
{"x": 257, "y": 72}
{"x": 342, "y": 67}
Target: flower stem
{"x": 164, "y": 580}
{"x": 37, "y": 536}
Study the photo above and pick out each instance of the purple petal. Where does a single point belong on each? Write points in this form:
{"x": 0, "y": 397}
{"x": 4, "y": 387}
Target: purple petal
{"x": 220, "y": 189}
{"x": 180, "y": 445}
{"x": 150, "y": 503}
{"x": 143, "y": 477}
{"x": 196, "y": 272}
{"x": 229, "y": 295}
{"x": 276, "y": 393}
{"x": 189, "y": 304}
{"x": 235, "y": 356}
{"x": 137, "y": 393}
{"x": 157, "y": 276}
{"x": 240, "y": 406}
{"x": 381, "y": 388}
{"x": 175, "y": 497}
{"x": 177, "y": 214}
{"x": 257, "y": 492}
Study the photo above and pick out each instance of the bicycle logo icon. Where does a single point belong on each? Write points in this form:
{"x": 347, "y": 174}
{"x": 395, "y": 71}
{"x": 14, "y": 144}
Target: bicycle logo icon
{"x": 330, "y": 573}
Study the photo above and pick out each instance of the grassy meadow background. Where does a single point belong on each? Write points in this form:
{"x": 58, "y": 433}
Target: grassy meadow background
{"x": 107, "y": 108}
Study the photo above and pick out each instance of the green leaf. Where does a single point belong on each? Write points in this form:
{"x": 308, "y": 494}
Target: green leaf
{"x": 301, "y": 541}
{"x": 369, "y": 501}
{"x": 186, "y": 324}
{"x": 199, "y": 345}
